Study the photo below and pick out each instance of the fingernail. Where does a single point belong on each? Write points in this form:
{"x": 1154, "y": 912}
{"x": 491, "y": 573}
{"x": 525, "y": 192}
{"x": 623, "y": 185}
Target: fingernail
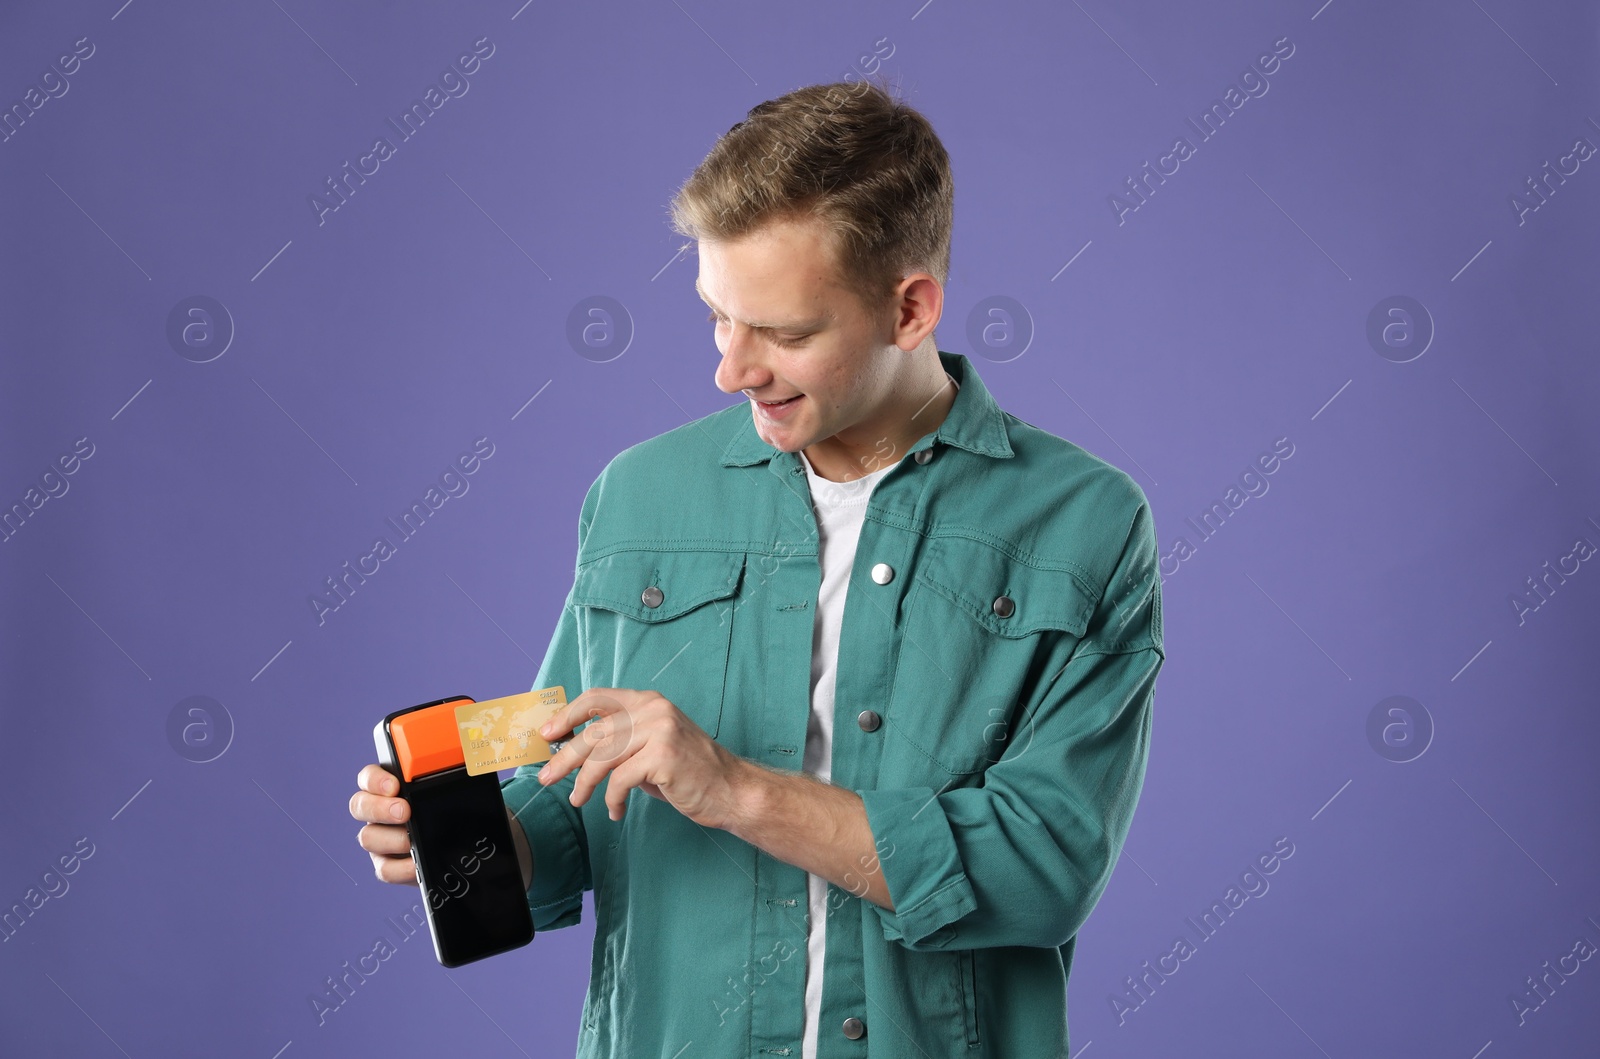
{"x": 547, "y": 728}
{"x": 544, "y": 773}
{"x": 394, "y": 810}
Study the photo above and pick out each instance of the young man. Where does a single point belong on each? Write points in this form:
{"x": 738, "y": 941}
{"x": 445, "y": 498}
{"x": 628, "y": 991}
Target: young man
{"x": 868, "y": 661}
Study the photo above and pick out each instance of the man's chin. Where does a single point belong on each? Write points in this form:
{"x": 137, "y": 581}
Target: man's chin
{"x": 782, "y": 440}
{"x": 781, "y": 436}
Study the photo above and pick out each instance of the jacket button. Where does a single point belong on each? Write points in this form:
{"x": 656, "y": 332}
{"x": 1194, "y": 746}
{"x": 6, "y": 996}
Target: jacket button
{"x": 1003, "y": 606}
{"x": 651, "y": 597}
{"x": 868, "y": 720}
{"x": 924, "y": 456}
{"x": 854, "y": 1028}
{"x": 883, "y": 573}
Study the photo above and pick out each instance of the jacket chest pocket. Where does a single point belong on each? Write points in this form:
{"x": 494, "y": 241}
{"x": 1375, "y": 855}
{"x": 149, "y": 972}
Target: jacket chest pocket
{"x": 660, "y": 621}
{"x": 983, "y": 635}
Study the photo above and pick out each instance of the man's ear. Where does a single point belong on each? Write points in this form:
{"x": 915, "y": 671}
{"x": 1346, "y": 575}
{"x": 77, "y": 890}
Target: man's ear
{"x": 919, "y": 302}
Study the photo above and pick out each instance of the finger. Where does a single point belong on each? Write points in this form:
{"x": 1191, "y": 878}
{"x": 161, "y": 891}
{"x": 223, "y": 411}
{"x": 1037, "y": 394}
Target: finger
{"x": 589, "y": 776}
{"x": 569, "y": 757}
{"x": 575, "y": 713}
{"x": 376, "y": 809}
{"x": 578, "y": 749}
{"x": 386, "y": 839}
{"x": 624, "y": 778}
{"x": 401, "y": 870}
{"x": 565, "y": 719}
{"x": 611, "y": 738}
{"x": 376, "y": 779}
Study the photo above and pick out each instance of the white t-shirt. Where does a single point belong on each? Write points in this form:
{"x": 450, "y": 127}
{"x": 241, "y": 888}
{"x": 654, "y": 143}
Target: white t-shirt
{"x": 840, "y": 507}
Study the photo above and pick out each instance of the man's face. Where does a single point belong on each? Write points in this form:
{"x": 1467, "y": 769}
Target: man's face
{"x": 787, "y": 328}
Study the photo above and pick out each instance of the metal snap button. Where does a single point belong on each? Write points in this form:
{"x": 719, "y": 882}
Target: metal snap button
{"x": 883, "y": 573}
{"x": 924, "y": 456}
{"x": 868, "y": 720}
{"x": 1003, "y": 606}
{"x": 854, "y": 1028}
{"x": 651, "y": 597}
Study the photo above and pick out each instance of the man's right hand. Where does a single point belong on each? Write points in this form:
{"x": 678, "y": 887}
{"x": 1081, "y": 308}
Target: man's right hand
{"x": 384, "y": 837}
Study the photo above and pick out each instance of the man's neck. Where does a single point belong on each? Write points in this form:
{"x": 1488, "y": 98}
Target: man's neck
{"x": 927, "y": 404}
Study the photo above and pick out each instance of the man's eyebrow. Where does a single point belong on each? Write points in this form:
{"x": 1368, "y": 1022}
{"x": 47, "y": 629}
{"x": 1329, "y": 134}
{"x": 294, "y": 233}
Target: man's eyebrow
{"x": 797, "y": 327}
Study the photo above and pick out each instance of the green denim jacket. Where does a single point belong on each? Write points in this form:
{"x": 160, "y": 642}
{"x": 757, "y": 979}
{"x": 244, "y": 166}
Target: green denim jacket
{"x": 1008, "y": 661}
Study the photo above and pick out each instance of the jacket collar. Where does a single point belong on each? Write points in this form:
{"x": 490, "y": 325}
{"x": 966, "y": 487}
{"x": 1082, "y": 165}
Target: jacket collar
{"x": 974, "y": 422}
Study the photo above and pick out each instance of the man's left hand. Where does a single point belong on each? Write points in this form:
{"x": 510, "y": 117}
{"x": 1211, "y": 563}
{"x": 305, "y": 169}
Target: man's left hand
{"x": 642, "y": 740}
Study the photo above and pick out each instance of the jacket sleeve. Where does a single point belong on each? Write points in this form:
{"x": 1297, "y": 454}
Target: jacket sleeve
{"x": 553, "y": 825}
{"x": 1022, "y": 858}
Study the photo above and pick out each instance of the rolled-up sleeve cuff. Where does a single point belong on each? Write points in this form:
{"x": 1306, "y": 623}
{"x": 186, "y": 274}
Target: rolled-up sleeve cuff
{"x": 917, "y": 854}
{"x": 559, "y": 860}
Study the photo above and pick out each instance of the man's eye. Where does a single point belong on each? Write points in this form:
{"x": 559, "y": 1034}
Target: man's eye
{"x": 787, "y": 343}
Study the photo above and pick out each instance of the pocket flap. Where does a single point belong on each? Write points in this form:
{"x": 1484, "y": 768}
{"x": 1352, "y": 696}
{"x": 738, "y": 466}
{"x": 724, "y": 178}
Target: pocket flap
{"x": 685, "y": 580}
{"x": 972, "y": 575}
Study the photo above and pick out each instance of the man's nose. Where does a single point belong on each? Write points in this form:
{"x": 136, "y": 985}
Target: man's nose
{"x": 741, "y": 367}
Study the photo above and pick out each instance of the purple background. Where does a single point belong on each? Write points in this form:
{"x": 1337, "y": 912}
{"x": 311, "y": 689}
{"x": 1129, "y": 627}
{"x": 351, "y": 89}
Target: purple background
{"x": 1227, "y": 311}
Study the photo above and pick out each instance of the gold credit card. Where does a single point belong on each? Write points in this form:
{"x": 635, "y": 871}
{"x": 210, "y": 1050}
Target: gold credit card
{"x": 504, "y": 733}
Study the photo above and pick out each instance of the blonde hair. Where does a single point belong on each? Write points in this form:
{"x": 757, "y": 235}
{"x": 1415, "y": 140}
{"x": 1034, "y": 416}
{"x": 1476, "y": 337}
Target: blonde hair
{"x": 868, "y": 166}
